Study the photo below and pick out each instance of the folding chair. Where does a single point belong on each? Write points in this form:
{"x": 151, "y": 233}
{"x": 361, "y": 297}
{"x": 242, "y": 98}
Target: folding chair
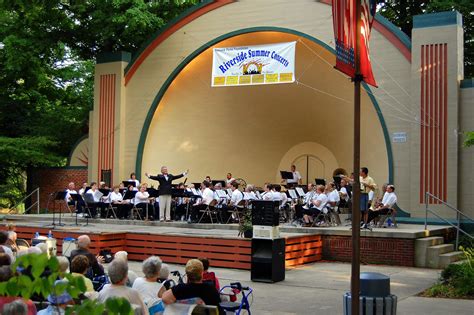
{"x": 210, "y": 211}
{"x": 111, "y": 208}
{"x": 88, "y": 204}
{"x": 135, "y": 213}
{"x": 392, "y": 214}
{"x": 237, "y": 211}
{"x": 323, "y": 216}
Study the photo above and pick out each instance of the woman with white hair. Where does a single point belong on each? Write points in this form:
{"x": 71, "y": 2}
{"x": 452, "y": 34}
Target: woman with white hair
{"x": 131, "y": 274}
{"x": 148, "y": 285}
{"x": 117, "y": 271}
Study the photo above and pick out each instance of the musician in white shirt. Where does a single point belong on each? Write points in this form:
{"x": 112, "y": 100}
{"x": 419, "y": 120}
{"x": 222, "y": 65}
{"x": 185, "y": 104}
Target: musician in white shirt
{"x": 267, "y": 194}
{"x": 283, "y": 198}
{"x": 333, "y": 195}
{"x": 123, "y": 206}
{"x": 388, "y": 202}
{"x": 201, "y": 204}
{"x": 142, "y": 201}
{"x": 133, "y": 178}
{"x": 276, "y": 196}
{"x": 296, "y": 180}
{"x": 229, "y": 180}
{"x": 318, "y": 203}
{"x": 96, "y": 196}
{"x": 250, "y": 193}
{"x": 83, "y": 189}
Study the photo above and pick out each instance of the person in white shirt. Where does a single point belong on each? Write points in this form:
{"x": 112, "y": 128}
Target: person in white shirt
{"x": 229, "y": 180}
{"x": 236, "y": 197}
{"x": 133, "y": 178}
{"x": 201, "y": 204}
{"x": 250, "y": 193}
{"x": 95, "y": 195}
{"x": 267, "y": 194}
{"x": 318, "y": 203}
{"x": 123, "y": 206}
{"x": 82, "y": 191}
{"x": 142, "y": 201}
{"x": 333, "y": 195}
{"x": 296, "y": 180}
{"x": 118, "y": 271}
{"x": 388, "y": 202}
{"x": 71, "y": 190}
{"x": 276, "y": 196}
{"x": 147, "y": 286}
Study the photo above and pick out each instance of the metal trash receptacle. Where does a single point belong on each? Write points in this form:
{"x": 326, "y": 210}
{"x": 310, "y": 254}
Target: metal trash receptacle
{"x": 375, "y": 296}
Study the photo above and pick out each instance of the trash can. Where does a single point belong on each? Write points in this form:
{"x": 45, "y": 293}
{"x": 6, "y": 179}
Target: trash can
{"x": 375, "y": 297}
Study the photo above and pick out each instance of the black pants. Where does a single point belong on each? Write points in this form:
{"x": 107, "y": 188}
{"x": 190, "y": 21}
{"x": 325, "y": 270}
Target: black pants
{"x": 374, "y": 214}
{"x": 151, "y": 210}
{"x": 195, "y": 211}
{"x": 123, "y": 210}
{"x": 79, "y": 206}
{"x": 180, "y": 211}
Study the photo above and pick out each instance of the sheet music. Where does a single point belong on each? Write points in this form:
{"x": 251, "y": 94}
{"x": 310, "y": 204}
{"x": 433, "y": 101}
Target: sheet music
{"x": 221, "y": 194}
{"x": 292, "y": 193}
{"x": 300, "y": 191}
{"x": 229, "y": 192}
{"x": 195, "y": 192}
{"x": 259, "y": 196}
{"x": 98, "y": 195}
{"x": 247, "y": 196}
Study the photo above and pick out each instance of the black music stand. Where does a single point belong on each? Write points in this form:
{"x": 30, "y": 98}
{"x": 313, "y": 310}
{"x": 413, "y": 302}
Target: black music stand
{"x": 78, "y": 199}
{"x": 127, "y": 183}
{"x": 286, "y": 175}
{"x": 320, "y": 181}
{"x": 58, "y": 196}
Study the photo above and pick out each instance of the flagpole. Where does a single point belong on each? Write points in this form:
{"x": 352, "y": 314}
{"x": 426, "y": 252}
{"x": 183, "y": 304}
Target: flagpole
{"x": 355, "y": 271}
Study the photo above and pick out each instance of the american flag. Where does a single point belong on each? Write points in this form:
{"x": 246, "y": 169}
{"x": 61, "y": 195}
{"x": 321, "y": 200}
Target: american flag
{"x": 344, "y": 23}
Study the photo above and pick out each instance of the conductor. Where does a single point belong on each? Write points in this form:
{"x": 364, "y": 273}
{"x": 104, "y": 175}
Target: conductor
{"x": 165, "y": 180}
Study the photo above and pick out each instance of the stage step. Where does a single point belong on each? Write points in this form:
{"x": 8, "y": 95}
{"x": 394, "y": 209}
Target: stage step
{"x": 421, "y": 246}
{"x": 448, "y": 258}
{"x": 433, "y": 254}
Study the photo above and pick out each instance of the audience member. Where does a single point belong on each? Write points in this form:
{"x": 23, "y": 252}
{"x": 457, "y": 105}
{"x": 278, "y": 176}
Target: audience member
{"x": 4, "y": 258}
{"x": 17, "y": 307}
{"x": 131, "y": 274}
{"x": 83, "y": 243}
{"x": 3, "y": 244}
{"x": 148, "y": 285}
{"x": 79, "y": 266}
{"x": 194, "y": 288}
{"x": 63, "y": 265}
{"x": 118, "y": 270}
{"x": 58, "y": 301}
{"x": 164, "y": 273}
{"x": 209, "y": 276}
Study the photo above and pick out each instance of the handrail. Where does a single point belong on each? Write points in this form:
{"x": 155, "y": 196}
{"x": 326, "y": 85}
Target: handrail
{"x": 458, "y": 214}
{"x": 36, "y": 203}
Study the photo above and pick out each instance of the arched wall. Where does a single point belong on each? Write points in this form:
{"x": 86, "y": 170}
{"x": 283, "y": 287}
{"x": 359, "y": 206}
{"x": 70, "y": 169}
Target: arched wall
{"x": 390, "y": 64}
{"x": 248, "y": 130}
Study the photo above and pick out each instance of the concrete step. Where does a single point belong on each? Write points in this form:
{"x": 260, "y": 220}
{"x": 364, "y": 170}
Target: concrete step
{"x": 421, "y": 246}
{"x": 448, "y": 258}
{"x": 433, "y": 254}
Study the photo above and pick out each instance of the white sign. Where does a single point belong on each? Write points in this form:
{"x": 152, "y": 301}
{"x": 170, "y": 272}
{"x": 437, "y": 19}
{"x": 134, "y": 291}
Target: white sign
{"x": 399, "y": 137}
{"x": 262, "y": 64}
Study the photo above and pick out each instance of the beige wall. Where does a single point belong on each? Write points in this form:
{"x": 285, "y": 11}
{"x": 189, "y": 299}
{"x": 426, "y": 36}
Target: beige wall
{"x": 80, "y": 154}
{"x": 466, "y": 155}
{"x": 252, "y": 131}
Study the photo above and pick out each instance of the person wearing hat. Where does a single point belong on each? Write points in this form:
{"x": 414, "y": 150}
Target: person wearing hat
{"x": 58, "y": 301}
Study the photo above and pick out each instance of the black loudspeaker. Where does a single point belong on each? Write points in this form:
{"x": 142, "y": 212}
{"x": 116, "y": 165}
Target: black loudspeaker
{"x": 268, "y": 260}
{"x": 265, "y": 213}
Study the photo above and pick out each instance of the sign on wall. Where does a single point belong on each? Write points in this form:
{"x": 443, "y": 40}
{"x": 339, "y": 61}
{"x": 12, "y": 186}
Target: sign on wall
{"x": 261, "y": 64}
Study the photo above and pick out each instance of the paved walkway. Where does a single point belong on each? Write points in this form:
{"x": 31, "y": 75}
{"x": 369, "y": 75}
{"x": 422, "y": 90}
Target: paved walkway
{"x": 318, "y": 289}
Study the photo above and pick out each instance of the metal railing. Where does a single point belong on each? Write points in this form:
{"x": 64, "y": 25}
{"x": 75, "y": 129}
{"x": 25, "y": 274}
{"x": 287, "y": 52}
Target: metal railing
{"x": 459, "y": 214}
{"x": 34, "y": 204}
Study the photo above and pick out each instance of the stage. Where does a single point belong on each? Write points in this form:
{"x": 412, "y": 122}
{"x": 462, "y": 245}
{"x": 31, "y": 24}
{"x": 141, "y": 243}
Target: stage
{"x": 176, "y": 242}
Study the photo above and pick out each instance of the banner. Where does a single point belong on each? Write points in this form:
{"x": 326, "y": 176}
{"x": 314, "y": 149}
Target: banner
{"x": 344, "y": 23}
{"x": 262, "y": 64}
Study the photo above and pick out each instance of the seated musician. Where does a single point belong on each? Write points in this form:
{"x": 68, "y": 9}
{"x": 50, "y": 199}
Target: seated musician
{"x": 333, "y": 196}
{"x": 83, "y": 189}
{"x": 98, "y": 203}
{"x": 388, "y": 202}
{"x": 235, "y": 199}
{"x": 123, "y": 206}
{"x": 133, "y": 178}
{"x": 276, "y": 196}
{"x": 222, "y": 198}
{"x": 282, "y": 196}
{"x": 181, "y": 204}
{"x": 71, "y": 190}
{"x": 201, "y": 204}
{"x": 306, "y": 202}
{"x": 267, "y": 193}
{"x": 142, "y": 201}
{"x": 317, "y": 205}
{"x": 345, "y": 194}
{"x": 250, "y": 192}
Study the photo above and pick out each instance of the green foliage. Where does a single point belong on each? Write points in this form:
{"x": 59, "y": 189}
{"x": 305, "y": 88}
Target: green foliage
{"x": 246, "y": 221}
{"x": 401, "y": 12}
{"x": 457, "y": 280}
{"x": 469, "y": 141}
{"x": 44, "y": 273}
{"x": 47, "y": 73}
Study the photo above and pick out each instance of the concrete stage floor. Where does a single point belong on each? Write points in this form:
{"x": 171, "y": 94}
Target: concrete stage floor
{"x": 406, "y": 231}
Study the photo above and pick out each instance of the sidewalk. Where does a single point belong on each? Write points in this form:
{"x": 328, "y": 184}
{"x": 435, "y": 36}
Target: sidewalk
{"x": 318, "y": 289}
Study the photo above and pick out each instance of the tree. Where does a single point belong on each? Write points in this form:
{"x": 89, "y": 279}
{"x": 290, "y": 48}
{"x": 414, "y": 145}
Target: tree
{"x": 469, "y": 141}
{"x": 46, "y": 72}
{"x": 401, "y": 12}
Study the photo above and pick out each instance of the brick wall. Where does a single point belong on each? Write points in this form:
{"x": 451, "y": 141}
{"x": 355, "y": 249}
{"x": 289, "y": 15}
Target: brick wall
{"x": 387, "y": 251}
{"x": 50, "y": 180}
